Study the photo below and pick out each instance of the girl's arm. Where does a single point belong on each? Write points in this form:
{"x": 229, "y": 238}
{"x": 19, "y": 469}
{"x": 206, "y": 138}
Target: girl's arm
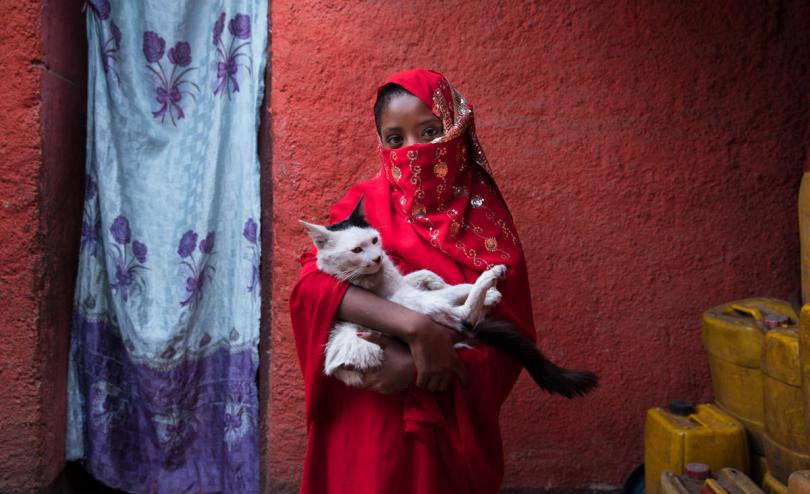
{"x": 431, "y": 344}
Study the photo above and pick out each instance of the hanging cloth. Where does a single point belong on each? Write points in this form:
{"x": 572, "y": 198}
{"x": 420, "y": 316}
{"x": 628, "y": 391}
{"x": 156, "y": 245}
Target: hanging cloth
{"x": 162, "y": 393}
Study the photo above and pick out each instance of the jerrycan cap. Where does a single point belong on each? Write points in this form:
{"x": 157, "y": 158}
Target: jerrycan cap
{"x": 699, "y": 471}
{"x": 774, "y": 320}
{"x": 681, "y": 407}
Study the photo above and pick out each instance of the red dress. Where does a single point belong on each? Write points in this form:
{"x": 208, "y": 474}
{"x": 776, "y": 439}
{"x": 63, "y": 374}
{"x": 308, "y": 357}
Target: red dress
{"x": 439, "y": 210}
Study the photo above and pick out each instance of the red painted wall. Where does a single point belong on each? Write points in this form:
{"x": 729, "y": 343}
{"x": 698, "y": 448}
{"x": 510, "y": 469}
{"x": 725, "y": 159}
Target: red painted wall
{"x": 651, "y": 153}
{"x": 42, "y": 100}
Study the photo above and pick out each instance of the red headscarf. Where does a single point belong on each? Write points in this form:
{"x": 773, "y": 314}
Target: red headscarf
{"x": 445, "y": 188}
{"x": 436, "y": 207}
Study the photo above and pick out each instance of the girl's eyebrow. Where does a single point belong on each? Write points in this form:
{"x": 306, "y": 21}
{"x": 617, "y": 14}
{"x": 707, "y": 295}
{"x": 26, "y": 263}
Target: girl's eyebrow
{"x": 427, "y": 121}
{"x": 391, "y": 129}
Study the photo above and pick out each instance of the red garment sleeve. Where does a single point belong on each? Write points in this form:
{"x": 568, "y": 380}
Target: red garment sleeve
{"x": 314, "y": 301}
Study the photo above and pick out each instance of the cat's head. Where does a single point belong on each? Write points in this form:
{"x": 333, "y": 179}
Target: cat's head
{"x": 349, "y": 249}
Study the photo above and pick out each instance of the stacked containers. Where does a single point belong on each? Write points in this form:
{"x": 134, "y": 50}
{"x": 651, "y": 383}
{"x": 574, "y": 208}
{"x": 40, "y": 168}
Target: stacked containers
{"x": 785, "y": 439}
{"x": 686, "y": 434}
{"x": 733, "y": 336}
{"x": 726, "y": 481}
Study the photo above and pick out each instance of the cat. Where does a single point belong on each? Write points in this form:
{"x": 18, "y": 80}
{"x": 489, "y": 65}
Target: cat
{"x": 351, "y": 251}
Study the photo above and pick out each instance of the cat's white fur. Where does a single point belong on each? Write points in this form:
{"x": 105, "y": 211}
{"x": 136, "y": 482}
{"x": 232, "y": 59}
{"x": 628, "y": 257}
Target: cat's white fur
{"x": 355, "y": 255}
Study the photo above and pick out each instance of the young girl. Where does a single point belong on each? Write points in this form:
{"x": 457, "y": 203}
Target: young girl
{"x": 427, "y": 420}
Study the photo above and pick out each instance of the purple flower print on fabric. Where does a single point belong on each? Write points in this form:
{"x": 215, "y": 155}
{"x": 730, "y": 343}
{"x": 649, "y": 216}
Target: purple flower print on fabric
{"x": 250, "y": 232}
{"x": 240, "y": 26}
{"x": 91, "y": 225}
{"x": 177, "y": 423}
{"x": 120, "y": 230}
{"x": 107, "y": 47}
{"x": 199, "y": 270}
{"x": 126, "y": 279}
{"x": 169, "y": 89}
{"x": 153, "y": 46}
{"x": 187, "y": 244}
{"x": 229, "y": 59}
{"x": 116, "y": 35}
{"x": 207, "y": 245}
{"x": 219, "y": 27}
{"x": 180, "y": 55}
{"x": 90, "y": 188}
{"x": 102, "y": 8}
{"x": 89, "y": 236}
{"x": 139, "y": 251}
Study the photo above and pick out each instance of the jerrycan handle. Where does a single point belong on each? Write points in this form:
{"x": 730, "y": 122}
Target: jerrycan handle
{"x": 749, "y": 311}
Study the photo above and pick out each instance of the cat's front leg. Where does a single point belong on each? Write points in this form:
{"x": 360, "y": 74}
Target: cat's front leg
{"x": 347, "y": 355}
{"x": 425, "y": 279}
{"x": 471, "y": 311}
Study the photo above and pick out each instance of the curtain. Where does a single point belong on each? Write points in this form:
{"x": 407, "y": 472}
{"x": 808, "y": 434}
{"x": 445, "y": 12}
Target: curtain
{"x": 162, "y": 393}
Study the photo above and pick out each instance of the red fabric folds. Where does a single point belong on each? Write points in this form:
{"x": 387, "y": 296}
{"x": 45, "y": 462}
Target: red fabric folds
{"x": 361, "y": 442}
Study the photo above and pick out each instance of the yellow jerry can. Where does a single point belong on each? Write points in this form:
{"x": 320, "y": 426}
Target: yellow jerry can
{"x": 782, "y": 387}
{"x": 772, "y": 486}
{"x": 799, "y": 482}
{"x": 759, "y": 467}
{"x": 804, "y": 365}
{"x": 785, "y": 438}
{"x": 783, "y": 461}
{"x": 804, "y": 235}
{"x": 726, "y": 481}
{"x": 678, "y": 484}
{"x": 733, "y": 336}
{"x": 685, "y": 434}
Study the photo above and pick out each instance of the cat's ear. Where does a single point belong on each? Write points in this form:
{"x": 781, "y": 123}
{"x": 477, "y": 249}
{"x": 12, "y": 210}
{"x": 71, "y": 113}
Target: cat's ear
{"x": 358, "y": 216}
{"x": 319, "y": 234}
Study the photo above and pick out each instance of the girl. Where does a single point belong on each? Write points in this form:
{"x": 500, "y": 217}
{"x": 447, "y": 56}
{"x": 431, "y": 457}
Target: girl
{"x": 436, "y": 207}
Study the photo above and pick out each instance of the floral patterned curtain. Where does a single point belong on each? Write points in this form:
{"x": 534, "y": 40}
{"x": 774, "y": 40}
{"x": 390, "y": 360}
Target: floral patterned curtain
{"x": 162, "y": 390}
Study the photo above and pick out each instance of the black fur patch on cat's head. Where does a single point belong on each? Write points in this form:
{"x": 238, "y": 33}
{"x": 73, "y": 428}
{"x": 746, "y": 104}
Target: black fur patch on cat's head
{"x": 356, "y": 218}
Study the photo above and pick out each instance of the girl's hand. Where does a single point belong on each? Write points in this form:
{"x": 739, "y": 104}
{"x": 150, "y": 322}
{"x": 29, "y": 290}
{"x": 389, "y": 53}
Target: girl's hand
{"x": 436, "y": 361}
{"x": 431, "y": 344}
{"x": 397, "y": 370}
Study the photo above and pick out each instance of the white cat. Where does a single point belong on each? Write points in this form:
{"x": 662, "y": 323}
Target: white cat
{"x": 351, "y": 251}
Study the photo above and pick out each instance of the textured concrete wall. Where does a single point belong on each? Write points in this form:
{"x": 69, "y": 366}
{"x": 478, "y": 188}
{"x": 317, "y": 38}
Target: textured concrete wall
{"x": 42, "y": 52}
{"x": 21, "y": 155}
{"x": 651, "y": 152}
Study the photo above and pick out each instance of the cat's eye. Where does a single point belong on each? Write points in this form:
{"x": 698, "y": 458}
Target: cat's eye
{"x": 357, "y": 250}
{"x": 374, "y": 240}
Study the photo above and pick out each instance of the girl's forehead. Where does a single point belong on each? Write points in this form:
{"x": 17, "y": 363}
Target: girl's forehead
{"x": 406, "y": 105}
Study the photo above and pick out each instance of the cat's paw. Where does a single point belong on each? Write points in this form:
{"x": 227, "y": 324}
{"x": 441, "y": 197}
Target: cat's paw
{"x": 499, "y": 271}
{"x": 350, "y": 377}
{"x": 492, "y": 297}
{"x": 345, "y": 348}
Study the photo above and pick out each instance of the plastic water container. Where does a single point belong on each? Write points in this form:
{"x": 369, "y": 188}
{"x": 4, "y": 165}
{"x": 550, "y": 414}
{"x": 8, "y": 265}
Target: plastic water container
{"x": 785, "y": 437}
{"x": 733, "y": 336}
{"x": 685, "y": 434}
{"x": 759, "y": 467}
{"x": 772, "y": 486}
{"x": 699, "y": 480}
{"x": 804, "y": 234}
{"x": 799, "y": 482}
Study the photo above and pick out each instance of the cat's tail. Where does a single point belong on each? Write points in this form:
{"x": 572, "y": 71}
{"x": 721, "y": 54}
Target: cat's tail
{"x": 503, "y": 336}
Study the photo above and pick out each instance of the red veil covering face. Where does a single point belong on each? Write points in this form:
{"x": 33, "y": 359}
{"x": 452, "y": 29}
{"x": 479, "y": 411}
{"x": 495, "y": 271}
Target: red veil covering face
{"x": 436, "y": 207}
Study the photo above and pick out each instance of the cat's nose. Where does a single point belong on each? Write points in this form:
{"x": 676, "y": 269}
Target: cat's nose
{"x": 377, "y": 261}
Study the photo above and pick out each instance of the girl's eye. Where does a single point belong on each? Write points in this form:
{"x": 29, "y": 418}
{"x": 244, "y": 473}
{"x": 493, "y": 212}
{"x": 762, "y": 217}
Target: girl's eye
{"x": 430, "y": 132}
{"x": 394, "y": 141}
{"x": 357, "y": 250}
{"x": 374, "y": 240}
